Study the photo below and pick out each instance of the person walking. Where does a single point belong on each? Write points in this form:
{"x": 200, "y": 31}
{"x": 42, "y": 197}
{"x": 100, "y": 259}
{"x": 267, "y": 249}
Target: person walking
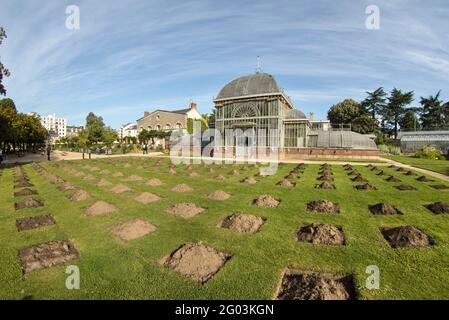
{"x": 48, "y": 152}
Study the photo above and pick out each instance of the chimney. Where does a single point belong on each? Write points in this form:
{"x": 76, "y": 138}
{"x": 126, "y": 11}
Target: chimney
{"x": 192, "y": 105}
{"x": 146, "y": 113}
{"x": 311, "y": 116}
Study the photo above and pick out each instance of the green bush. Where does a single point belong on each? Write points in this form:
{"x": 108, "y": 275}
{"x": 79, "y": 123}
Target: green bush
{"x": 429, "y": 152}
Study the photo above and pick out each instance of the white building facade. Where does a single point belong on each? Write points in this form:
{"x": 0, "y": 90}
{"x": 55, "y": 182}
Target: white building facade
{"x": 55, "y": 125}
{"x": 128, "y": 130}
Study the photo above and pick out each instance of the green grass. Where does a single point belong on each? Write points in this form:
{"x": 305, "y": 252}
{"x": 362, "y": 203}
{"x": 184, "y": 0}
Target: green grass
{"x": 113, "y": 269}
{"x": 440, "y": 166}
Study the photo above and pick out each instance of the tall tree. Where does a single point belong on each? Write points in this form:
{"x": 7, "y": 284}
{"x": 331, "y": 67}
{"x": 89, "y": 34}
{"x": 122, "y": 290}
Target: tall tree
{"x": 350, "y": 112}
{"x": 410, "y": 120}
{"x": 3, "y": 71}
{"x": 374, "y": 102}
{"x": 434, "y": 112}
{"x": 94, "y": 127}
{"x": 396, "y": 107}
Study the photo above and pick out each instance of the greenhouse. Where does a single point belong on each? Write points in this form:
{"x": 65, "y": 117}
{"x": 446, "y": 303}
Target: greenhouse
{"x": 413, "y": 140}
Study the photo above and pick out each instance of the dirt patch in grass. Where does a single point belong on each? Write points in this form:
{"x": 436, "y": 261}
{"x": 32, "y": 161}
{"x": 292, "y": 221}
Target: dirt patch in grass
{"x": 196, "y": 261}
{"x": 325, "y": 234}
{"x": 105, "y": 171}
{"x": 359, "y": 178}
{"x": 392, "y": 179}
{"x": 104, "y": 183}
{"x": 246, "y": 223}
{"x": 438, "y": 207}
{"x": 23, "y": 183}
{"x": 348, "y": 167}
{"x": 100, "y": 208}
{"x": 323, "y": 206}
{"x": 406, "y": 237}
{"x": 424, "y": 179}
{"x": 185, "y": 210}
{"x": 182, "y": 188}
{"x": 28, "y": 203}
{"x": 79, "y": 174}
{"x": 193, "y": 174}
{"x": 153, "y": 183}
{"x": 410, "y": 173}
{"x": 117, "y": 174}
{"x": 234, "y": 173}
{"x": 353, "y": 173}
{"x": 382, "y": 173}
{"x": 383, "y": 209}
{"x": 440, "y": 186}
{"x": 121, "y": 188}
{"x": 307, "y": 285}
{"x": 46, "y": 255}
{"x": 400, "y": 169}
{"x": 133, "y": 229}
{"x": 404, "y": 187}
{"x": 66, "y": 187}
{"x": 80, "y": 195}
{"x": 89, "y": 178}
{"x": 220, "y": 177}
{"x": 147, "y": 197}
{"x": 365, "y": 187}
{"x": 25, "y": 192}
{"x": 171, "y": 171}
{"x": 285, "y": 183}
{"x": 325, "y": 177}
{"x": 29, "y": 223}
{"x": 219, "y": 195}
{"x": 134, "y": 178}
{"x": 266, "y": 201}
{"x": 325, "y": 185}
{"x": 249, "y": 180}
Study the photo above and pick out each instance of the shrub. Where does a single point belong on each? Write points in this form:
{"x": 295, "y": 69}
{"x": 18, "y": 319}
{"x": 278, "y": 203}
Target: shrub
{"x": 429, "y": 152}
{"x": 389, "y": 149}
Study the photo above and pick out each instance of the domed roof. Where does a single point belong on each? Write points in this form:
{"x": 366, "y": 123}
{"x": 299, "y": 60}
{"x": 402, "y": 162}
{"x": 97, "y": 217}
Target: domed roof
{"x": 295, "y": 114}
{"x": 254, "y": 84}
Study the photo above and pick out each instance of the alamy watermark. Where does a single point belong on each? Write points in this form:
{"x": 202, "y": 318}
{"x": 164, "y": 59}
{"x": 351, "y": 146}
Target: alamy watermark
{"x": 72, "y": 282}
{"x": 372, "y": 22}
{"x": 73, "y": 19}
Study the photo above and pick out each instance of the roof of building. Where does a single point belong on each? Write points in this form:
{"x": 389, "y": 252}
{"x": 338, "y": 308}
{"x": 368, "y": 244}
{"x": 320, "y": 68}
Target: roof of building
{"x": 294, "y": 114}
{"x": 258, "y": 83}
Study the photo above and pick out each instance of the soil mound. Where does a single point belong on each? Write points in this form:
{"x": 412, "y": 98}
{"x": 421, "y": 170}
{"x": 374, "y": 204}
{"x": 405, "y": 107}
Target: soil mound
{"x": 182, "y": 188}
{"x": 323, "y": 206}
{"x": 104, "y": 183}
{"x": 46, "y": 255}
{"x": 365, "y": 187}
{"x": 220, "y": 178}
{"x": 134, "y": 178}
{"x": 410, "y": 173}
{"x": 196, "y": 261}
{"x": 382, "y": 173}
{"x": 249, "y": 180}
{"x": 404, "y": 187}
{"x": 185, "y": 210}
{"x": 240, "y": 222}
{"x": 266, "y": 201}
{"x": 28, "y": 203}
{"x": 25, "y": 192}
{"x": 438, "y": 207}
{"x": 29, "y": 223}
{"x": 219, "y": 195}
{"x": 285, "y": 183}
{"x": 353, "y": 173}
{"x": 117, "y": 174}
{"x": 193, "y": 174}
{"x": 321, "y": 234}
{"x": 132, "y": 230}
{"x": 392, "y": 179}
{"x": 424, "y": 179}
{"x": 359, "y": 178}
{"x": 80, "y": 195}
{"x": 153, "y": 182}
{"x": 120, "y": 188}
{"x": 325, "y": 177}
{"x": 100, "y": 208}
{"x": 325, "y": 185}
{"x": 66, "y": 187}
{"x": 147, "y": 197}
{"x": 440, "y": 186}
{"x": 383, "y": 209}
{"x": 305, "y": 285}
{"x": 406, "y": 237}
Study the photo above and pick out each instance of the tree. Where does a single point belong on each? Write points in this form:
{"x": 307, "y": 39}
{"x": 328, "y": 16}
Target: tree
{"x": 374, "y": 102}
{"x": 94, "y": 127}
{"x": 109, "y": 136}
{"x": 344, "y": 112}
{"x": 3, "y": 71}
{"x": 395, "y": 108}
{"x": 435, "y": 113}
{"x": 409, "y": 121}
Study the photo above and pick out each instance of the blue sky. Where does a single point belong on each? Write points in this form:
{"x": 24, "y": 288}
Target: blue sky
{"x": 136, "y": 55}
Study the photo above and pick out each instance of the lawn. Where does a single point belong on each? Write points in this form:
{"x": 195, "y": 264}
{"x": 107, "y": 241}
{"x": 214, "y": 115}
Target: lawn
{"x": 440, "y": 166}
{"x": 117, "y": 269}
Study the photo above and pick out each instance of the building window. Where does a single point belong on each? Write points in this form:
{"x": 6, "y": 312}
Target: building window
{"x": 178, "y": 125}
{"x": 167, "y": 126}
{"x": 158, "y": 127}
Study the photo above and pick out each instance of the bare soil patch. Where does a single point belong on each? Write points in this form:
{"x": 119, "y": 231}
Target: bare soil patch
{"x": 23, "y": 183}
{"x": 153, "y": 182}
{"x": 104, "y": 183}
{"x": 182, "y": 188}
{"x": 100, "y": 208}
{"x": 121, "y": 188}
{"x": 438, "y": 207}
{"x": 266, "y": 201}
{"x": 410, "y": 173}
{"x": 404, "y": 187}
{"x": 196, "y": 261}
{"x": 359, "y": 178}
{"x": 382, "y": 173}
{"x": 325, "y": 234}
{"x": 440, "y": 186}
{"x": 133, "y": 229}
{"x": 406, "y": 237}
{"x": 353, "y": 173}
{"x": 234, "y": 173}
{"x": 325, "y": 177}
{"x": 185, "y": 210}
{"x": 28, "y": 203}
{"x": 424, "y": 179}
{"x": 29, "y": 223}
{"x": 66, "y": 187}
{"x": 193, "y": 174}
{"x": 219, "y": 195}
{"x": 285, "y": 183}
{"x": 383, "y": 209}
{"x": 392, "y": 179}
{"x": 307, "y": 285}
{"x": 89, "y": 177}
{"x": 80, "y": 195}
{"x": 220, "y": 177}
{"x": 171, "y": 171}
{"x": 147, "y": 197}
{"x": 46, "y": 255}
{"x": 365, "y": 187}
{"x": 325, "y": 185}
{"x": 25, "y": 192}
{"x": 246, "y": 223}
{"x": 323, "y": 206}
{"x": 134, "y": 178}
{"x": 117, "y": 174}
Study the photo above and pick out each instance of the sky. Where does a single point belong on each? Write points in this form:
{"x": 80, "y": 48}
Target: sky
{"x": 136, "y": 55}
